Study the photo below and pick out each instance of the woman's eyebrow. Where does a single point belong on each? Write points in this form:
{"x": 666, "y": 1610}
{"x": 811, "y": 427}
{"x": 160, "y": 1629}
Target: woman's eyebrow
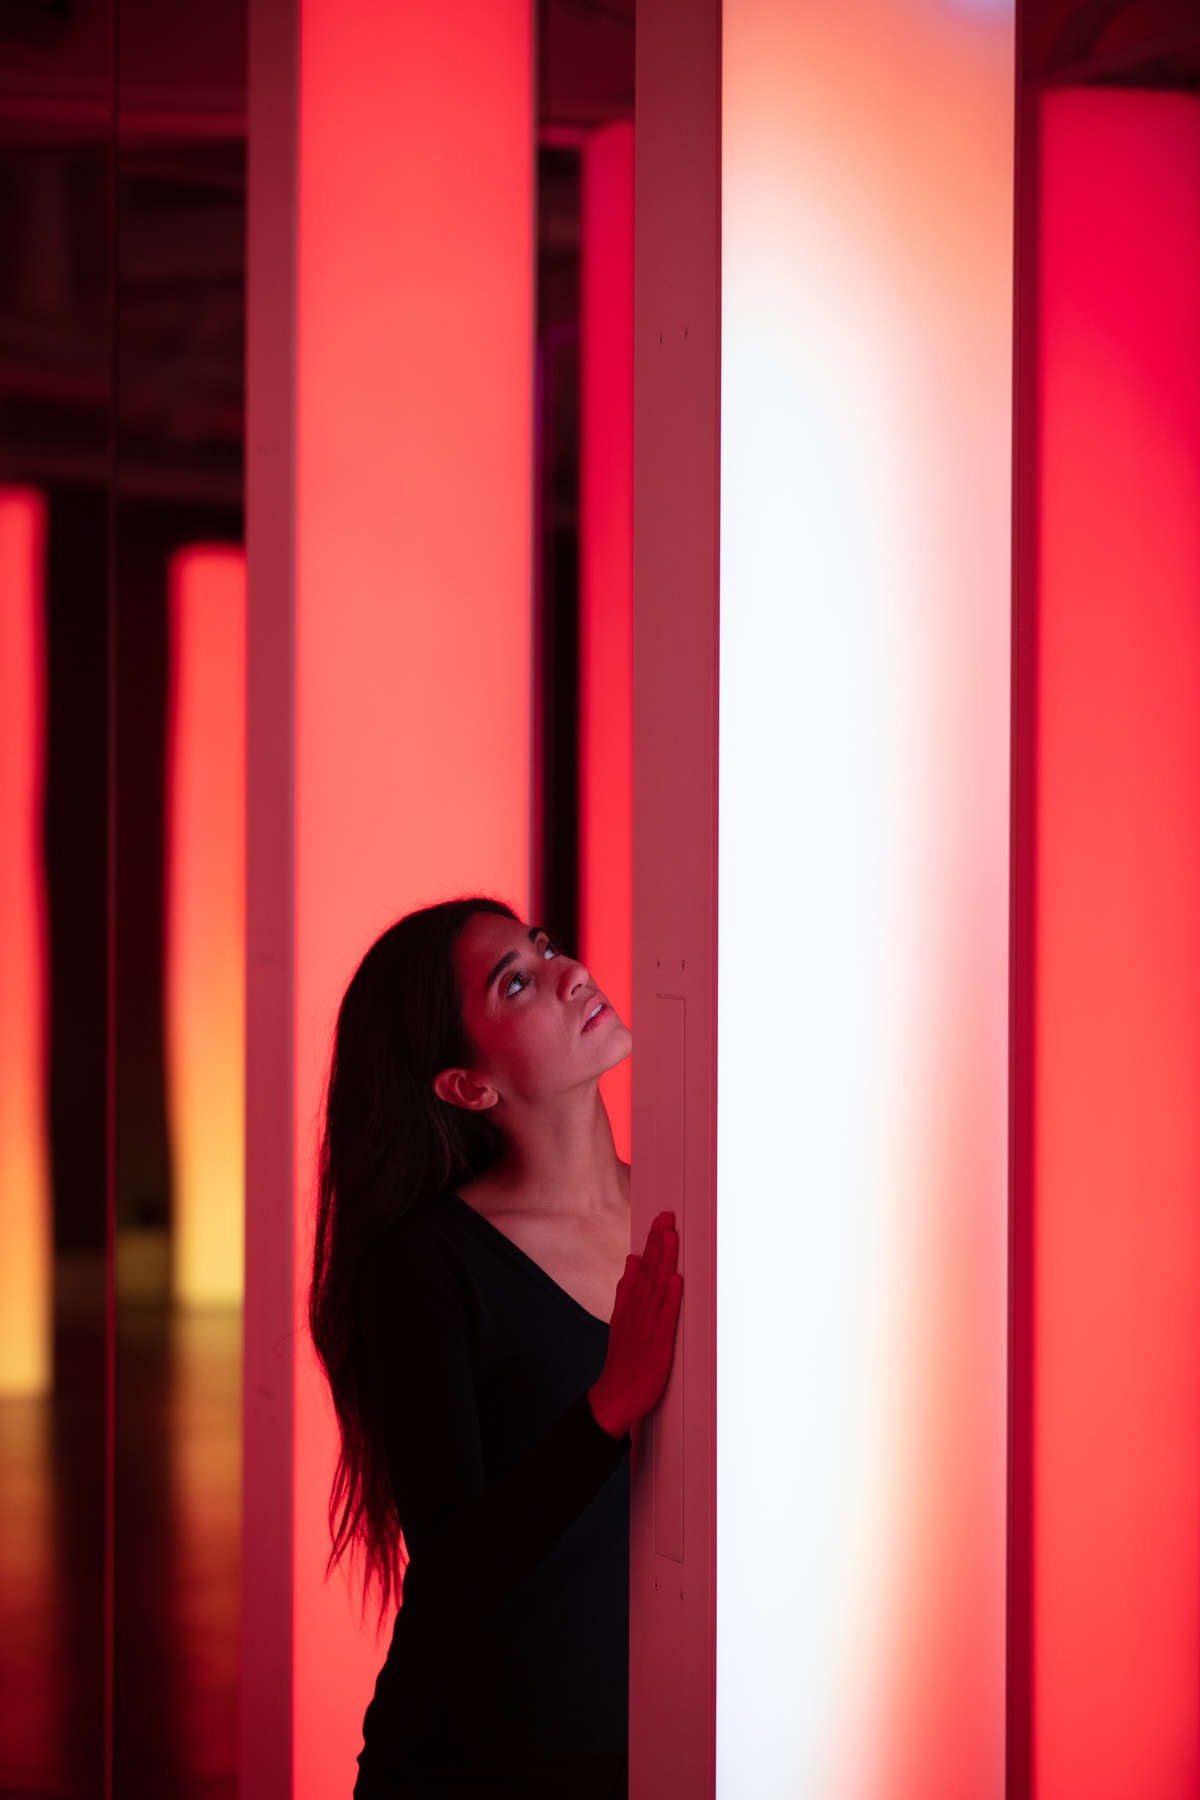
{"x": 510, "y": 956}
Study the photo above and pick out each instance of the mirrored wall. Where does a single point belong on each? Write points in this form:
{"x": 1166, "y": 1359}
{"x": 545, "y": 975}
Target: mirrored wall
{"x": 122, "y": 275}
{"x": 123, "y": 150}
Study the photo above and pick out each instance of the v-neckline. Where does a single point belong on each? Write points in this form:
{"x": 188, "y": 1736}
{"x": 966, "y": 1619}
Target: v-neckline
{"x": 529, "y": 1262}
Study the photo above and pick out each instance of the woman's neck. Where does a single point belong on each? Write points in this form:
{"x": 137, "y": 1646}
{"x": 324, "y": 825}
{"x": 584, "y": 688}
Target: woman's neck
{"x": 556, "y": 1159}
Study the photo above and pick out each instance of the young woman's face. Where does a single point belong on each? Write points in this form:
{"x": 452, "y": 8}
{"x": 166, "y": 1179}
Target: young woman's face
{"x": 537, "y": 1020}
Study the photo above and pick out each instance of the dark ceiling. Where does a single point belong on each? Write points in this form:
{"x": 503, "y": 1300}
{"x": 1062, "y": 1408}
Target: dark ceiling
{"x": 172, "y": 347}
{"x": 585, "y": 61}
{"x": 179, "y": 195}
{"x": 1134, "y": 43}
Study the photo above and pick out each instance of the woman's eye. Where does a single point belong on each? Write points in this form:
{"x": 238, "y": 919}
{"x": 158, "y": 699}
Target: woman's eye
{"x": 519, "y": 980}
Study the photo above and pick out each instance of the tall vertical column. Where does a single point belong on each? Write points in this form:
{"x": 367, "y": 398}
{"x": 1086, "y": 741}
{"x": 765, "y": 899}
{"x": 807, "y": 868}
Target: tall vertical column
{"x": 265, "y": 1704}
{"x": 25, "y": 1205}
{"x": 206, "y": 921}
{"x": 606, "y": 585}
{"x": 1116, "y": 1165}
{"x": 676, "y": 497}
{"x": 409, "y": 780}
{"x": 862, "y": 1114}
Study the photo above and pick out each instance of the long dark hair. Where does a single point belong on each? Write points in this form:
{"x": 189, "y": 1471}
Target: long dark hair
{"x": 387, "y": 1142}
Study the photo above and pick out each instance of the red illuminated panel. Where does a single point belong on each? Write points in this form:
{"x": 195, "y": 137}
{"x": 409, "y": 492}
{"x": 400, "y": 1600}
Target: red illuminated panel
{"x": 1116, "y": 1504}
{"x": 206, "y": 922}
{"x": 414, "y": 397}
{"x": 606, "y": 586}
{"x": 24, "y": 1161}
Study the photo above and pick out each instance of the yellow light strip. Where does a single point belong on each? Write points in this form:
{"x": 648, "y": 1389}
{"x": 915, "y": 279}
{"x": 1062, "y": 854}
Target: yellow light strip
{"x": 206, "y": 923}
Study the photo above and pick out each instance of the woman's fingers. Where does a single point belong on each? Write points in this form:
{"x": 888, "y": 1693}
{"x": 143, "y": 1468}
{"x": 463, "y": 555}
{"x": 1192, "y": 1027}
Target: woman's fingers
{"x": 656, "y": 1240}
{"x": 653, "y": 1251}
{"x": 641, "y": 1340}
{"x": 658, "y": 1260}
{"x": 644, "y": 1284}
{"x": 625, "y": 1285}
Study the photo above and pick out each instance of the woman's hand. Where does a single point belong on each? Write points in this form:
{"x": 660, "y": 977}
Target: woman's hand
{"x": 641, "y": 1337}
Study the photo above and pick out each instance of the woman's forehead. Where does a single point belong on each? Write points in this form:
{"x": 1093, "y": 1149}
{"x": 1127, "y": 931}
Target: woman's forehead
{"x": 486, "y": 936}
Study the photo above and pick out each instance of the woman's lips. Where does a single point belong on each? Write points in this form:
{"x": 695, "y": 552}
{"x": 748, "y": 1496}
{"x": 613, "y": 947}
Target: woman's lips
{"x": 596, "y": 1016}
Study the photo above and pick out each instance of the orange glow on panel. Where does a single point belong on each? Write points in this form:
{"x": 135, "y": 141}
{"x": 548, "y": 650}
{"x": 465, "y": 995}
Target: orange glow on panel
{"x": 606, "y": 586}
{"x": 1116, "y": 1506}
{"x": 25, "y": 1204}
{"x": 206, "y": 922}
{"x": 415, "y": 400}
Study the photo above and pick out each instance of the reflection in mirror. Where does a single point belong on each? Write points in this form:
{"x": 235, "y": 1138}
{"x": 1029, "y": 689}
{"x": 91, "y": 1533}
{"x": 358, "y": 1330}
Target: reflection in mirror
{"x": 55, "y": 466}
{"x": 120, "y": 533}
{"x": 180, "y": 774}
{"x": 585, "y": 84}
{"x": 556, "y": 501}
{"x": 122, "y": 603}
{"x": 583, "y": 743}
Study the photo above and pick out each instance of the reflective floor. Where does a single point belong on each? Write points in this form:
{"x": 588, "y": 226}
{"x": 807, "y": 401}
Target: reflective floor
{"x": 174, "y": 1674}
{"x": 52, "y": 1560}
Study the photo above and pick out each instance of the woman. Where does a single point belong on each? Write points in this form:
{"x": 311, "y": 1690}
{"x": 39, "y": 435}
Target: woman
{"x": 473, "y": 1223}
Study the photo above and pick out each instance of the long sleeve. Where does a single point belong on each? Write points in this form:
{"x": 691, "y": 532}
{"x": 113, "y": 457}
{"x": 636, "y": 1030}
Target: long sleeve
{"x": 472, "y": 1539}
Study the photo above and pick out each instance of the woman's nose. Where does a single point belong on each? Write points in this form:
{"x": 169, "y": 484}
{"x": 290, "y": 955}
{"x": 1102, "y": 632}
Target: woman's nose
{"x": 573, "y": 976}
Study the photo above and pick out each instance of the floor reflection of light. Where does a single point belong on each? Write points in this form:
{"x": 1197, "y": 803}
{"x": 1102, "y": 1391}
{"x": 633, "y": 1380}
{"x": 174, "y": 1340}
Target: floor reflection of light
{"x": 177, "y": 1550}
{"x": 206, "y": 1466}
{"x": 32, "y": 1646}
{"x": 52, "y": 1538}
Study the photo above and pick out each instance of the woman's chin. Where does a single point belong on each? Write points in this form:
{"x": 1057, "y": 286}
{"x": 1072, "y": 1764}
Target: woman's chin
{"x": 618, "y": 1042}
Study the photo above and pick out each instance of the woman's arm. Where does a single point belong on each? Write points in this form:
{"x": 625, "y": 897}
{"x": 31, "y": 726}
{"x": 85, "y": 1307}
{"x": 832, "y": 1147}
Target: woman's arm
{"x": 471, "y": 1544}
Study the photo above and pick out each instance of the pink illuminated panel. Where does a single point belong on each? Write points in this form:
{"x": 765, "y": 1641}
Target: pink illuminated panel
{"x": 414, "y": 395}
{"x": 606, "y": 585}
{"x": 206, "y": 922}
{"x": 866, "y": 399}
{"x": 1116, "y": 1505}
{"x": 25, "y": 1222}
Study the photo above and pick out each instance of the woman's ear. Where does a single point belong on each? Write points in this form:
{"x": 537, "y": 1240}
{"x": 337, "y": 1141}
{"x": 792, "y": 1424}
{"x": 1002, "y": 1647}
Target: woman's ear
{"x": 460, "y": 1088}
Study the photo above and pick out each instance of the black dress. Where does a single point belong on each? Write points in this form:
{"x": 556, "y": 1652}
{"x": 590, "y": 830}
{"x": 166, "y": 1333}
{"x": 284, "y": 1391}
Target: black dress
{"x": 508, "y": 1667}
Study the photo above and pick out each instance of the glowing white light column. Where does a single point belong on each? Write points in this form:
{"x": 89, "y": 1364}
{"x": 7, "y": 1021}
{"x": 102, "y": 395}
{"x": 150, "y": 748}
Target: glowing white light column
{"x": 863, "y": 894}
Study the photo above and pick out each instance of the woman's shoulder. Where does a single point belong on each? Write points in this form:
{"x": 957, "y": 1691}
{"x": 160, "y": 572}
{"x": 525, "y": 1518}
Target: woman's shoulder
{"x": 426, "y": 1237}
{"x": 425, "y": 1226}
{"x": 416, "y": 1263}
